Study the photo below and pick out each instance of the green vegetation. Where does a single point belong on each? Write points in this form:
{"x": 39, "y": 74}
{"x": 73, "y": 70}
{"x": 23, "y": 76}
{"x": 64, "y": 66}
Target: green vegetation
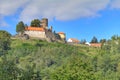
{"x": 4, "y": 41}
{"x": 35, "y": 23}
{"x": 20, "y": 27}
{"x": 39, "y": 60}
{"x": 94, "y": 40}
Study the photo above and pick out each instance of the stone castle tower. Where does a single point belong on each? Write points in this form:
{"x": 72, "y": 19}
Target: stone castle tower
{"x": 43, "y": 32}
{"x": 44, "y": 23}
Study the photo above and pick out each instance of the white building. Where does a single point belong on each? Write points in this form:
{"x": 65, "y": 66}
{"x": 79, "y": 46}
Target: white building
{"x": 73, "y": 40}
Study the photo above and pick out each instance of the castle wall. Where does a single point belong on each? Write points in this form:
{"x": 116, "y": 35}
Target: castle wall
{"x": 36, "y": 34}
{"x": 50, "y": 35}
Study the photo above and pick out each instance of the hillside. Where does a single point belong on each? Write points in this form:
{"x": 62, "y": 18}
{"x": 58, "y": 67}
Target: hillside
{"x": 56, "y": 61}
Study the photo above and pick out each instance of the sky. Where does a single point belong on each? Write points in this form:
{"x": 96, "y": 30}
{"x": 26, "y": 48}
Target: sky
{"x": 80, "y": 19}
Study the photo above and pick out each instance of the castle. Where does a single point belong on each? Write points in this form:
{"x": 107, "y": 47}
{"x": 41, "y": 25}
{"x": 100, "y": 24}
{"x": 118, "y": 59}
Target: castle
{"x": 43, "y": 32}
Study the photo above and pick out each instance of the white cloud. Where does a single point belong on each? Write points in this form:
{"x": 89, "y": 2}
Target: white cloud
{"x": 9, "y": 7}
{"x": 115, "y": 4}
{"x": 59, "y": 9}
{"x": 62, "y": 9}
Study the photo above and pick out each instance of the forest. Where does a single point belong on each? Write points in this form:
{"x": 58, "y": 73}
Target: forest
{"x": 39, "y": 60}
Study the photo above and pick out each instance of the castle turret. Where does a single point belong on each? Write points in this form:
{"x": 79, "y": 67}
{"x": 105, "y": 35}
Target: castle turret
{"x": 51, "y": 28}
{"x": 44, "y": 23}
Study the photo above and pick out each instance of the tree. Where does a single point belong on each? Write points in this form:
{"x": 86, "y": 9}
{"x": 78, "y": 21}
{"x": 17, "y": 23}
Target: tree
{"x": 4, "y": 41}
{"x": 115, "y": 37}
{"x": 8, "y": 70}
{"x": 83, "y": 41}
{"x": 20, "y": 27}
{"x": 94, "y": 40}
{"x": 26, "y": 25}
{"x": 35, "y": 23}
{"x": 102, "y": 40}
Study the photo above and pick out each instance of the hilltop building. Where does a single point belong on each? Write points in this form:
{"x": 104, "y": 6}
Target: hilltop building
{"x": 62, "y": 35}
{"x": 44, "y": 23}
{"x": 95, "y": 44}
{"x": 73, "y": 41}
{"x": 43, "y": 32}
{"x": 37, "y": 32}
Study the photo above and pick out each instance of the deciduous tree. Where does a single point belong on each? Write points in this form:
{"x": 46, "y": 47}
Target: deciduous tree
{"x": 35, "y": 23}
{"x": 20, "y": 27}
{"x": 4, "y": 41}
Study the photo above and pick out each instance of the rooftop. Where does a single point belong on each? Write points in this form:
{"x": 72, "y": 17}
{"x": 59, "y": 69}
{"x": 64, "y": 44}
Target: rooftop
{"x": 74, "y": 40}
{"x": 34, "y": 29}
{"x": 61, "y": 33}
{"x": 95, "y": 44}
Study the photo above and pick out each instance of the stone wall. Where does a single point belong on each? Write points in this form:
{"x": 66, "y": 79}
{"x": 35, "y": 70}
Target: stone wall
{"x": 36, "y": 34}
{"x": 47, "y": 35}
{"x": 50, "y": 36}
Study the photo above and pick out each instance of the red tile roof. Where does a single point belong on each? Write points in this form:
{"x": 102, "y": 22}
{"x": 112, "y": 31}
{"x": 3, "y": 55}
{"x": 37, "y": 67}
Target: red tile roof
{"x": 75, "y": 40}
{"x": 61, "y": 33}
{"x": 95, "y": 44}
{"x": 34, "y": 29}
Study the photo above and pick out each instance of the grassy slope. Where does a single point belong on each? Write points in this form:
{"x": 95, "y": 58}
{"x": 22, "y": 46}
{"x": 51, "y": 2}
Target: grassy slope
{"x": 45, "y": 57}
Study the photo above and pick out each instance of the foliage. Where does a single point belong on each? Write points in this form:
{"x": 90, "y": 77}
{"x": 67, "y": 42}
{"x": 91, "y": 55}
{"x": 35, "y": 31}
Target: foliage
{"x": 8, "y": 70}
{"x": 83, "y": 41}
{"x": 20, "y": 27}
{"x": 39, "y": 60}
{"x": 94, "y": 40}
{"x": 4, "y": 41}
{"x": 35, "y": 23}
{"x": 75, "y": 69}
{"x": 115, "y": 37}
{"x": 103, "y": 40}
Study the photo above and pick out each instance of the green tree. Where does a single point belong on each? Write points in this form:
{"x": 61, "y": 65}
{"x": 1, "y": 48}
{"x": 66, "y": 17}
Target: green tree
{"x": 26, "y": 25}
{"x": 83, "y": 41}
{"x": 8, "y": 70}
{"x": 76, "y": 69}
{"x": 94, "y": 40}
{"x": 4, "y": 41}
{"x": 35, "y": 23}
{"x": 20, "y": 27}
{"x": 30, "y": 74}
{"x": 102, "y": 40}
{"x": 114, "y": 37}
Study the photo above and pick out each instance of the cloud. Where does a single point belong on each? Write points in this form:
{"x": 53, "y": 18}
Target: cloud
{"x": 9, "y": 7}
{"x": 62, "y": 9}
{"x": 115, "y": 4}
{"x": 58, "y": 9}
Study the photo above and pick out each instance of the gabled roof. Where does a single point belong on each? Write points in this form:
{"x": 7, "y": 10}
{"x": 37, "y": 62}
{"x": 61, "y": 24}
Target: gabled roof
{"x": 34, "y": 29}
{"x": 74, "y": 40}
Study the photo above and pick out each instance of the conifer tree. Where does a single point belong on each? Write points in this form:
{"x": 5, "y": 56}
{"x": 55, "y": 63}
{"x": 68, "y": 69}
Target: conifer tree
{"x": 94, "y": 40}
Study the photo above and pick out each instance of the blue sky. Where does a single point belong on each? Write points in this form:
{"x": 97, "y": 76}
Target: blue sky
{"x": 81, "y": 19}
